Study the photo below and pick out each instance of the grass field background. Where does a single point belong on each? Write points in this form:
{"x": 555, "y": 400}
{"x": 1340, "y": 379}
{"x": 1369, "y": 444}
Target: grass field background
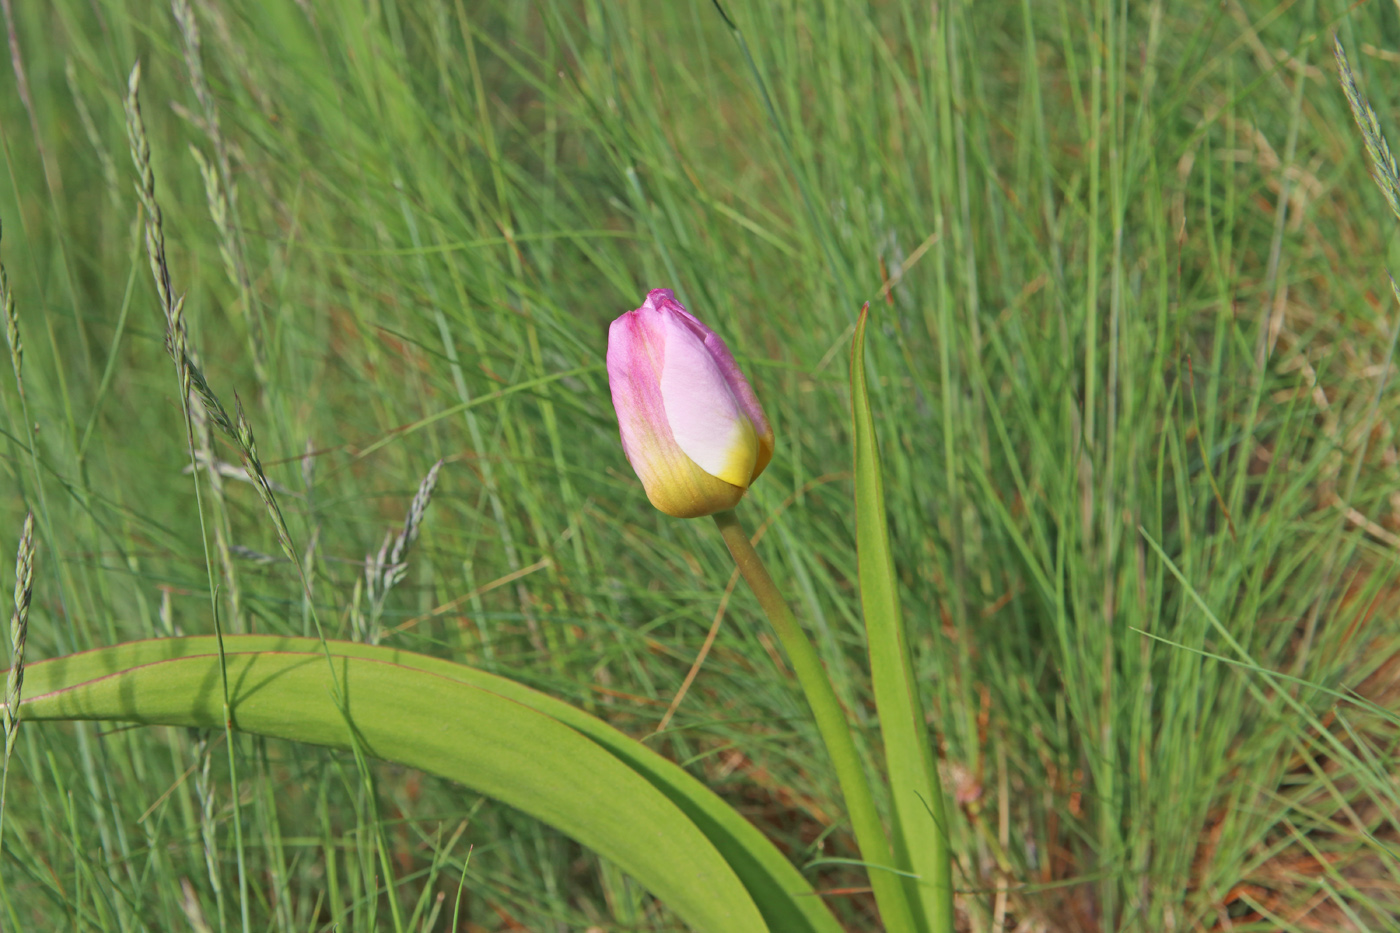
{"x": 1130, "y": 364}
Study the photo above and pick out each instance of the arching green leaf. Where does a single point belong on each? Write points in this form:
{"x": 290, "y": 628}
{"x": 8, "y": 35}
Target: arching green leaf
{"x": 539, "y": 754}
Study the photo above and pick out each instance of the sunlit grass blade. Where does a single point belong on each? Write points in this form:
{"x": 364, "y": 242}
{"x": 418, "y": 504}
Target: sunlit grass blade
{"x": 382, "y": 682}
{"x": 920, "y": 822}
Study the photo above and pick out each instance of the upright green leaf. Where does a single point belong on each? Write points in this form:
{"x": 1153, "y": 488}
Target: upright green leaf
{"x": 920, "y": 823}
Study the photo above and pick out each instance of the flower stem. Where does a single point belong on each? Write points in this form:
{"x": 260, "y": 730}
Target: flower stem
{"x": 831, "y": 723}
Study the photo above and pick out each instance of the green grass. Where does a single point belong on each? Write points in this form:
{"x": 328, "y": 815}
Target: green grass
{"x": 1127, "y": 381}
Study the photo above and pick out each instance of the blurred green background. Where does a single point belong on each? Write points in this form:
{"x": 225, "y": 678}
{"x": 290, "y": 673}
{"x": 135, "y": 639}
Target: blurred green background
{"x": 1130, "y": 355}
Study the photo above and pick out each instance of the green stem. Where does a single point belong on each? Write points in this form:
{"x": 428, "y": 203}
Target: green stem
{"x": 831, "y": 723}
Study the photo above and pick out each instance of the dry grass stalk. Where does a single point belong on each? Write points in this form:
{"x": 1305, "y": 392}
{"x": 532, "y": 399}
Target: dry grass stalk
{"x": 203, "y": 789}
{"x": 189, "y": 905}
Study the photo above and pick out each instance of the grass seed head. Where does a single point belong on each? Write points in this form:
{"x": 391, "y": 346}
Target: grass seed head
{"x": 19, "y": 629}
{"x": 416, "y": 511}
{"x": 213, "y": 408}
{"x": 7, "y": 300}
{"x": 1383, "y": 167}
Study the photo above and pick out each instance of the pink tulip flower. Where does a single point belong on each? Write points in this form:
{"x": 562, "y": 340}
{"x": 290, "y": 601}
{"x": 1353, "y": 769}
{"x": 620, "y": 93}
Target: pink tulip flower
{"x": 691, "y": 426}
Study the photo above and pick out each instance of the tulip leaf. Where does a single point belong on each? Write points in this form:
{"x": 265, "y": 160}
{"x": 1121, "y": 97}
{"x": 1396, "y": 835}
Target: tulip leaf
{"x": 712, "y": 867}
{"x": 920, "y": 823}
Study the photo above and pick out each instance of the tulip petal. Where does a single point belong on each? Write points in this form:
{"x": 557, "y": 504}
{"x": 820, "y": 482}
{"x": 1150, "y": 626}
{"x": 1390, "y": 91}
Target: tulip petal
{"x": 673, "y": 482}
{"x": 706, "y": 419}
{"x": 663, "y": 299}
{"x": 747, "y": 401}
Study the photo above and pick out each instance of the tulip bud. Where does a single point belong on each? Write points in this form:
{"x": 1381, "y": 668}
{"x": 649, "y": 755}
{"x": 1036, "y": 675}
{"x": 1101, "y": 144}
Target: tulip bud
{"x": 691, "y": 426}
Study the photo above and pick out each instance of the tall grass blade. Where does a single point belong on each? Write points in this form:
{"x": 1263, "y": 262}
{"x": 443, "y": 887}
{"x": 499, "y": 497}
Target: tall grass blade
{"x": 920, "y": 821}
